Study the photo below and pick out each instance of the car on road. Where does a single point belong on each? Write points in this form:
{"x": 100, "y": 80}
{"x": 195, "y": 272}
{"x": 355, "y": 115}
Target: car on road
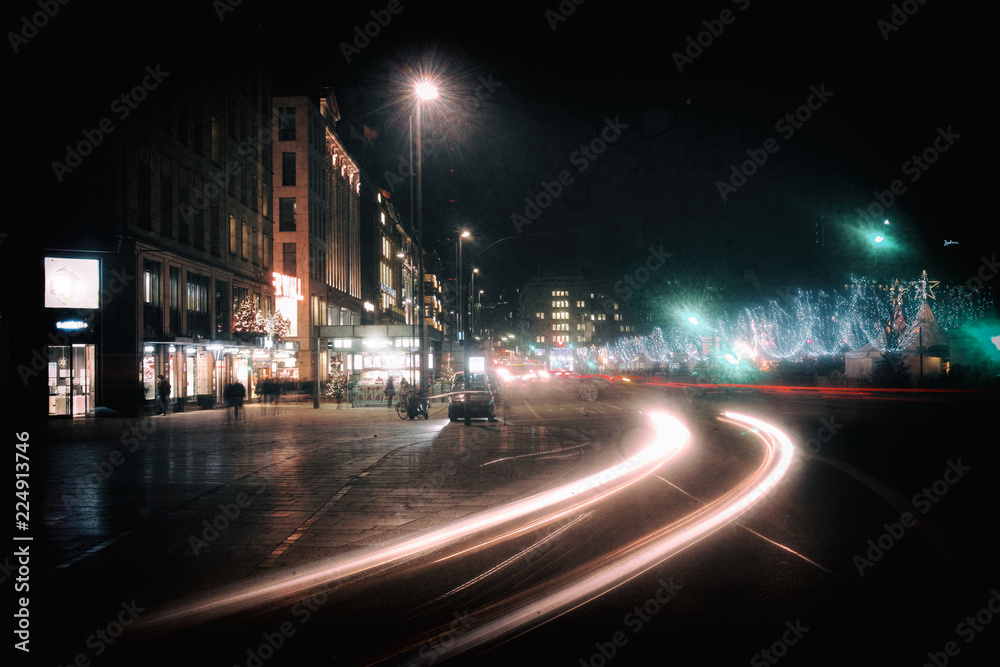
{"x": 480, "y": 397}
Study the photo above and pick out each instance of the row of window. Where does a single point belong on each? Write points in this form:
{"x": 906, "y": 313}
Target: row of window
{"x": 579, "y": 338}
{"x": 207, "y": 314}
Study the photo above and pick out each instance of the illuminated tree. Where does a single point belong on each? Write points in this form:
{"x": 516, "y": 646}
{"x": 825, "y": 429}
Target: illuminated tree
{"x": 248, "y": 320}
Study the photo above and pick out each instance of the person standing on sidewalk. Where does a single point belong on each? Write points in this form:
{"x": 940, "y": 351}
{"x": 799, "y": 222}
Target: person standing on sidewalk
{"x": 162, "y": 395}
{"x": 239, "y": 393}
{"x": 390, "y": 391}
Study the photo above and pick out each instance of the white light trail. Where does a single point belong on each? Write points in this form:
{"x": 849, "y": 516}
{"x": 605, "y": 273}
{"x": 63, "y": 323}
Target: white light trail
{"x": 533, "y": 608}
{"x": 670, "y": 441}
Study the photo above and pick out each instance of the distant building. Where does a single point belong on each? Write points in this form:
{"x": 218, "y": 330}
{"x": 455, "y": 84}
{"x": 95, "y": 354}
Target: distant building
{"x": 559, "y": 314}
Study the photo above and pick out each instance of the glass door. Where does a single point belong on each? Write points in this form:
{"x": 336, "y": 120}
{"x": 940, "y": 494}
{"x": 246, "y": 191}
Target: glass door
{"x": 71, "y": 380}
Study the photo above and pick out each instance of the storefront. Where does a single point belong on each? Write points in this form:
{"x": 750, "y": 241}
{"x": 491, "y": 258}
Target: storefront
{"x": 370, "y": 354}
{"x": 72, "y": 300}
{"x": 198, "y": 374}
{"x": 71, "y": 380}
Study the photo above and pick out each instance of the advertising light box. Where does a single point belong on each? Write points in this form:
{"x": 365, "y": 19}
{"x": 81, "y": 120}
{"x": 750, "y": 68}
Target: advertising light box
{"x": 72, "y": 283}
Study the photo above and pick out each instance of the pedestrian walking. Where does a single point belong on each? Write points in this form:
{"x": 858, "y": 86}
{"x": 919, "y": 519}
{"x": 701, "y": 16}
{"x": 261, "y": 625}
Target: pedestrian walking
{"x": 390, "y": 391}
{"x": 239, "y": 393}
{"x": 162, "y": 395}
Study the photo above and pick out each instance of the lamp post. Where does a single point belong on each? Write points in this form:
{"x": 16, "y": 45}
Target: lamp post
{"x": 424, "y": 91}
{"x": 472, "y": 298}
{"x": 477, "y": 314}
{"x": 459, "y": 278}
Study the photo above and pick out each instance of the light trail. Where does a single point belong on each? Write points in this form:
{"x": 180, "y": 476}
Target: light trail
{"x": 529, "y": 609}
{"x": 670, "y": 441}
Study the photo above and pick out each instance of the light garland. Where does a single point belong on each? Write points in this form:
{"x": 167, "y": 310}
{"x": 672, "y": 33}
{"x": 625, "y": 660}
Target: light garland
{"x": 810, "y": 324}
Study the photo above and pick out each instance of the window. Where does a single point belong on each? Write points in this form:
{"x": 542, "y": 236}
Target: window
{"x": 288, "y": 168}
{"x": 152, "y": 315}
{"x": 197, "y": 129}
{"x": 540, "y": 339}
{"x": 286, "y": 124}
{"x": 286, "y": 214}
{"x": 182, "y": 117}
{"x": 246, "y": 241}
{"x": 145, "y": 219}
{"x": 221, "y": 309}
{"x": 216, "y": 141}
{"x": 239, "y": 296}
{"x": 540, "y": 316}
{"x": 232, "y": 234}
{"x": 184, "y": 222}
{"x": 581, "y": 304}
{"x": 288, "y": 259}
{"x": 198, "y": 239}
{"x": 175, "y": 300}
{"x": 167, "y": 207}
{"x": 217, "y": 230}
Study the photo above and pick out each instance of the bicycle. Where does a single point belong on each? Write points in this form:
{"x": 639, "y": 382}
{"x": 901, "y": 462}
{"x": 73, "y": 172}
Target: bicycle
{"x": 402, "y": 406}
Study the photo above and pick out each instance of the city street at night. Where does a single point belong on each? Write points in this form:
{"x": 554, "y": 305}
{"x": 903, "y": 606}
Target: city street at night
{"x": 352, "y": 534}
{"x": 555, "y": 333}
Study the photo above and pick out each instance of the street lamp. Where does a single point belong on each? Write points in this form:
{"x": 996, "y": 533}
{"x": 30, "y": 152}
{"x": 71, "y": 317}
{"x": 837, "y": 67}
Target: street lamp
{"x": 477, "y": 313}
{"x": 472, "y": 298}
{"x": 459, "y": 280}
{"x": 424, "y": 90}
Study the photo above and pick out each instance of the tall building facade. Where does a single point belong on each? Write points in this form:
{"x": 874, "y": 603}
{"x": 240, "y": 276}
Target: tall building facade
{"x": 154, "y": 239}
{"x": 339, "y": 238}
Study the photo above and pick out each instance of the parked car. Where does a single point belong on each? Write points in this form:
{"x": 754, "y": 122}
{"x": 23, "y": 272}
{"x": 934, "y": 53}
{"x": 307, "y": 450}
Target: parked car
{"x": 480, "y": 397}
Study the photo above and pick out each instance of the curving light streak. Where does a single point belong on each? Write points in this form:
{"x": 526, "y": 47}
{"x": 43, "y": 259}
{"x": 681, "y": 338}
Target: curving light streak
{"x": 534, "y": 607}
{"x": 669, "y": 442}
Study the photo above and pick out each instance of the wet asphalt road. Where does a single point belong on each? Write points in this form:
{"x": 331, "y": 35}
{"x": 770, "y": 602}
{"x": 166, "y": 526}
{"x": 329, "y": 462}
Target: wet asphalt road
{"x": 795, "y": 580}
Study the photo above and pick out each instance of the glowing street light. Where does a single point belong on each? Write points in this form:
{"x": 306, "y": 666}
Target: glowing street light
{"x": 426, "y": 90}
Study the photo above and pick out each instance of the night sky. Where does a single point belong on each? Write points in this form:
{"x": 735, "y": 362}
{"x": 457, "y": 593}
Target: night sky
{"x": 555, "y": 84}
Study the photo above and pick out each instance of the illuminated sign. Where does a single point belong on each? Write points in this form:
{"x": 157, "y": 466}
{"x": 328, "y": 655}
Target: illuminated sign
{"x": 72, "y": 283}
{"x": 287, "y": 286}
{"x": 71, "y": 325}
{"x": 369, "y": 306}
{"x": 477, "y": 364}
{"x": 388, "y": 290}
{"x": 376, "y": 342}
